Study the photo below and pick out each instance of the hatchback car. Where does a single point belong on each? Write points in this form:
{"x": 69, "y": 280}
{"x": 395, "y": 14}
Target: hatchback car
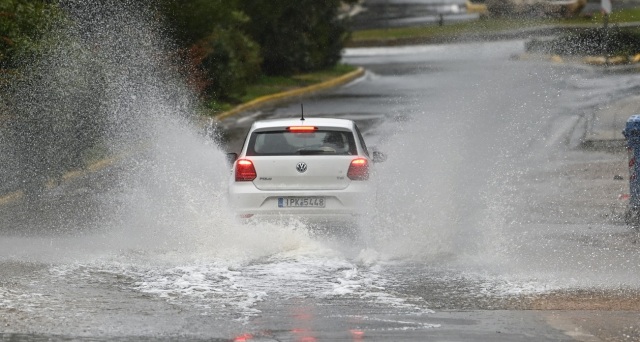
{"x": 318, "y": 169}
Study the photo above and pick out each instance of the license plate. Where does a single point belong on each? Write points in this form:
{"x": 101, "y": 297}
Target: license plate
{"x": 301, "y": 202}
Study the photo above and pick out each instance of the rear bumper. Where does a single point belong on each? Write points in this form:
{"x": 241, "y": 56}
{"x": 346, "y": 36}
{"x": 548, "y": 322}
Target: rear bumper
{"x": 346, "y": 204}
{"x": 322, "y": 222}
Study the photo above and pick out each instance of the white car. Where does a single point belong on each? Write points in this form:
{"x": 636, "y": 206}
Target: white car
{"x": 317, "y": 169}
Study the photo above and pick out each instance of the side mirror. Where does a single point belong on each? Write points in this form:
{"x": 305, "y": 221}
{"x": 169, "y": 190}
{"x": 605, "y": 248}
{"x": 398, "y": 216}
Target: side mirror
{"x": 378, "y": 157}
{"x": 231, "y": 158}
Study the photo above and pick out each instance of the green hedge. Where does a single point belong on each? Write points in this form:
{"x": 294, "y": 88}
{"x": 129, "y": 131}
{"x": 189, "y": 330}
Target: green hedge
{"x": 296, "y": 36}
{"x": 22, "y": 23}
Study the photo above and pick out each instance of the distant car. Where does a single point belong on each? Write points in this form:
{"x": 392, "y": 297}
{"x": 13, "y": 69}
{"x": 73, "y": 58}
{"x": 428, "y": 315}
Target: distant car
{"x": 318, "y": 169}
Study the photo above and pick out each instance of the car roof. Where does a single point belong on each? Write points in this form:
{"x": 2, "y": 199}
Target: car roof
{"x": 320, "y": 122}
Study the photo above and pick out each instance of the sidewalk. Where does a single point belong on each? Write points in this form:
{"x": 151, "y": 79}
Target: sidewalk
{"x": 605, "y": 126}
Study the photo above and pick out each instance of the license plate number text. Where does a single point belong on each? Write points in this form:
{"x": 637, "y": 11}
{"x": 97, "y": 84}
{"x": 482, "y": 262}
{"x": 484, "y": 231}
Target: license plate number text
{"x": 304, "y": 202}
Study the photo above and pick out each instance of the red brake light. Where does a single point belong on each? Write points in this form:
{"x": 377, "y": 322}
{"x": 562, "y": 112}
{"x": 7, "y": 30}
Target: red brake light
{"x": 359, "y": 169}
{"x": 245, "y": 170}
{"x": 302, "y": 129}
{"x": 243, "y": 338}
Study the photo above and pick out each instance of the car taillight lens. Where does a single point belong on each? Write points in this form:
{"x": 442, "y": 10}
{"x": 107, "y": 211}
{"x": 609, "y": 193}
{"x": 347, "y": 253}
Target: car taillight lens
{"x": 245, "y": 170}
{"x": 359, "y": 169}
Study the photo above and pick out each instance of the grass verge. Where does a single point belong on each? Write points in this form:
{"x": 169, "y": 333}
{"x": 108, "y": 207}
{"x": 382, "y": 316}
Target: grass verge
{"x": 431, "y": 33}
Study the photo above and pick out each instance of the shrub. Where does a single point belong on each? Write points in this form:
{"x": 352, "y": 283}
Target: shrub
{"x": 296, "y": 36}
{"x": 22, "y": 23}
{"x": 221, "y": 60}
{"x": 224, "y": 63}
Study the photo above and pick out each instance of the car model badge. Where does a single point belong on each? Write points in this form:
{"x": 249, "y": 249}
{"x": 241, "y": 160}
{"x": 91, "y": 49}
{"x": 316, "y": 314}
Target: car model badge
{"x": 301, "y": 167}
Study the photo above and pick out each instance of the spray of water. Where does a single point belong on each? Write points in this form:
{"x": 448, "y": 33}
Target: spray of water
{"x": 457, "y": 153}
{"x": 108, "y": 86}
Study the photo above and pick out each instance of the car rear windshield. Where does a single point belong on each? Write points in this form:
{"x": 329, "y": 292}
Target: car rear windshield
{"x": 319, "y": 142}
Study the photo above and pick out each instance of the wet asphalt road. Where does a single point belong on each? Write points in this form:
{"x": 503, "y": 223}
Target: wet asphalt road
{"x": 485, "y": 204}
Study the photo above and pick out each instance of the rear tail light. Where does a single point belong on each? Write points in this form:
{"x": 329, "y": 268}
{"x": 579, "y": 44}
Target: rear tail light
{"x": 359, "y": 169}
{"x": 245, "y": 172}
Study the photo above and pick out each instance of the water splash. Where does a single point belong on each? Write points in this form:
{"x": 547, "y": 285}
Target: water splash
{"x": 109, "y": 85}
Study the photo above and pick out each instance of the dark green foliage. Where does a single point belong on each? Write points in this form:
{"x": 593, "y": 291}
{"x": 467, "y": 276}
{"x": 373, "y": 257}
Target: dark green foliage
{"x": 224, "y": 45}
{"x": 592, "y": 41}
{"x": 221, "y": 59}
{"x": 192, "y": 20}
{"x": 296, "y": 36}
{"x": 21, "y": 25}
{"x": 227, "y": 61}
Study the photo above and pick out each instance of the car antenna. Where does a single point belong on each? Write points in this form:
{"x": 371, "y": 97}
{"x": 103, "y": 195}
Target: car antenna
{"x": 302, "y": 112}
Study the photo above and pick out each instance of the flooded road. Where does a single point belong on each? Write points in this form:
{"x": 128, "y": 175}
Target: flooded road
{"x": 486, "y": 209}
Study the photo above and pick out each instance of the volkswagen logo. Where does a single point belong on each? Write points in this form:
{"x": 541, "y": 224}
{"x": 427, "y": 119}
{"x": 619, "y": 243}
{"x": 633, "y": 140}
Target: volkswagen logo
{"x": 301, "y": 167}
